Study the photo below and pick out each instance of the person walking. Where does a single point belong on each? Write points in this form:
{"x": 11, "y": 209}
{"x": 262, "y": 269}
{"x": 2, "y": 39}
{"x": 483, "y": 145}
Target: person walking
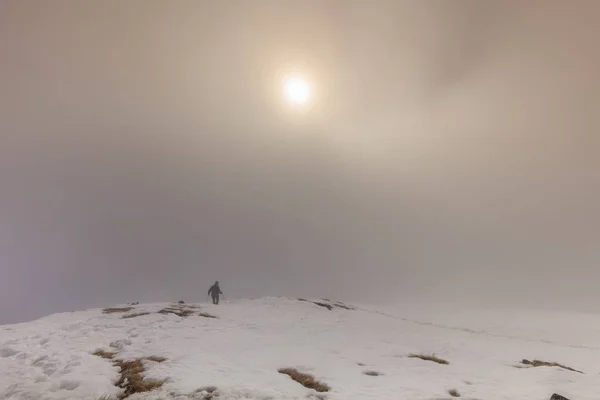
{"x": 214, "y": 292}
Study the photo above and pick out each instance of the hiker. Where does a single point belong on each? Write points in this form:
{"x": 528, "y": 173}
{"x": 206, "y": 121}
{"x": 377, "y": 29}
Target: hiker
{"x": 214, "y": 292}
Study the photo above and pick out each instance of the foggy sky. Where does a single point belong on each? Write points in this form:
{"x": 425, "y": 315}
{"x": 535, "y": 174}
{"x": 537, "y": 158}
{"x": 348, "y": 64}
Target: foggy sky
{"x": 451, "y": 152}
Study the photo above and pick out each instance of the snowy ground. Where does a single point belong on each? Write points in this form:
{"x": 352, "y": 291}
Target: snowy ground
{"x": 241, "y": 351}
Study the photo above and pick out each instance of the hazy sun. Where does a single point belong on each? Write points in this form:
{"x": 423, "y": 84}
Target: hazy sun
{"x": 297, "y": 90}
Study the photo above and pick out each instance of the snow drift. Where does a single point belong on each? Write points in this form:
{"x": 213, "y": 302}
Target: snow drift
{"x": 238, "y": 350}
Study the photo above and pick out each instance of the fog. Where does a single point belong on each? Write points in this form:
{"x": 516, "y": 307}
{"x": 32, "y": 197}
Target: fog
{"x": 450, "y": 153}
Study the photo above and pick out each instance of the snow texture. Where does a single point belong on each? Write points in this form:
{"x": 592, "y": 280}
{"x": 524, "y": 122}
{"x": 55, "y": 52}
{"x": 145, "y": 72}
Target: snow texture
{"x": 241, "y": 351}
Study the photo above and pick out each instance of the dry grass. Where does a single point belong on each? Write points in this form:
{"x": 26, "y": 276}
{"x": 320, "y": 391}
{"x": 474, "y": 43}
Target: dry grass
{"x": 339, "y": 304}
{"x": 538, "y": 363}
{"x": 157, "y": 359}
{"x": 140, "y": 314}
{"x": 324, "y": 305}
{"x": 372, "y": 373}
{"x": 109, "y": 355}
{"x": 207, "y": 315}
{"x": 180, "y": 305}
{"x": 112, "y": 310}
{"x": 131, "y": 379}
{"x": 327, "y": 305}
{"x": 177, "y": 311}
{"x": 308, "y": 381}
{"x": 360, "y": 364}
{"x": 453, "y": 393}
{"x": 427, "y": 357}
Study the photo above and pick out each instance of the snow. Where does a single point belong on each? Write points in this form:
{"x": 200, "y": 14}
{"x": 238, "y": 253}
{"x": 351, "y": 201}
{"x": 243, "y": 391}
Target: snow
{"x": 241, "y": 351}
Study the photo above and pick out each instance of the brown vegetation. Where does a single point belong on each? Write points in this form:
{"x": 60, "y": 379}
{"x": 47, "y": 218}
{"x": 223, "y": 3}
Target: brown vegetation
{"x": 135, "y": 315}
{"x": 131, "y": 379}
{"x": 112, "y": 310}
{"x": 181, "y": 312}
{"x": 329, "y": 304}
{"x": 453, "y": 393}
{"x": 427, "y": 357}
{"x": 109, "y": 355}
{"x": 308, "y": 381}
{"x": 538, "y": 363}
{"x": 372, "y": 373}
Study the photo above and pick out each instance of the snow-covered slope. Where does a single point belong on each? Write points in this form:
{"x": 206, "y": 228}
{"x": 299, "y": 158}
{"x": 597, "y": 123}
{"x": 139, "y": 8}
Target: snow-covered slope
{"x": 241, "y": 351}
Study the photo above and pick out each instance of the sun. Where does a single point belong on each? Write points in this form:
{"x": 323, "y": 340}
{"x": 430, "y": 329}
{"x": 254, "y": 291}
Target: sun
{"x": 297, "y": 90}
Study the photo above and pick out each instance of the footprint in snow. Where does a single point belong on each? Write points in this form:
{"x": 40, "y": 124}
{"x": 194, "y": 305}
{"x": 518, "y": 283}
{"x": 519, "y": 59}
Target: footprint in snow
{"x": 6, "y": 352}
{"x": 49, "y": 369}
{"x": 69, "y": 385}
{"x": 120, "y": 344}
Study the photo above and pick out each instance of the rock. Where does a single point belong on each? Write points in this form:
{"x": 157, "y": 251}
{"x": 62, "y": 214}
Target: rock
{"x": 558, "y": 397}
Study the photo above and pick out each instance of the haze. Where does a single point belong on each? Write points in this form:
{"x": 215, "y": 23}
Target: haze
{"x": 450, "y": 152}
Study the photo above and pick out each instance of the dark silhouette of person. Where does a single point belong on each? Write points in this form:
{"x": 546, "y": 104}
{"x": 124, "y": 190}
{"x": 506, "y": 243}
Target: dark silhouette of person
{"x": 214, "y": 292}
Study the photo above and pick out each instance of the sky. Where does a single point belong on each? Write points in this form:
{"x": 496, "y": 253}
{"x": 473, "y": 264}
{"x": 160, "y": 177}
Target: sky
{"x": 449, "y": 152}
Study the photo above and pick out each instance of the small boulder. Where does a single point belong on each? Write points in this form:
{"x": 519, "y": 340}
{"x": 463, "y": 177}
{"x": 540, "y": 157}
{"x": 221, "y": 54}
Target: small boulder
{"x": 556, "y": 396}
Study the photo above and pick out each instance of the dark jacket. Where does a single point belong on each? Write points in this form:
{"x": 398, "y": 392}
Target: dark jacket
{"x": 215, "y": 290}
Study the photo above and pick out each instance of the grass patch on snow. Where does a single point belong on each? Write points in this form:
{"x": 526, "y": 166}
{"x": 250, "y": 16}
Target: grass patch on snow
{"x": 339, "y": 304}
{"x": 372, "y": 373}
{"x": 207, "y": 315}
{"x": 324, "y": 305}
{"x": 453, "y": 393}
{"x": 112, "y": 310}
{"x": 134, "y": 315}
{"x": 181, "y": 312}
{"x": 427, "y": 357}
{"x": 132, "y": 381}
{"x": 109, "y": 355}
{"x": 538, "y": 363}
{"x": 330, "y": 305}
{"x": 306, "y": 380}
